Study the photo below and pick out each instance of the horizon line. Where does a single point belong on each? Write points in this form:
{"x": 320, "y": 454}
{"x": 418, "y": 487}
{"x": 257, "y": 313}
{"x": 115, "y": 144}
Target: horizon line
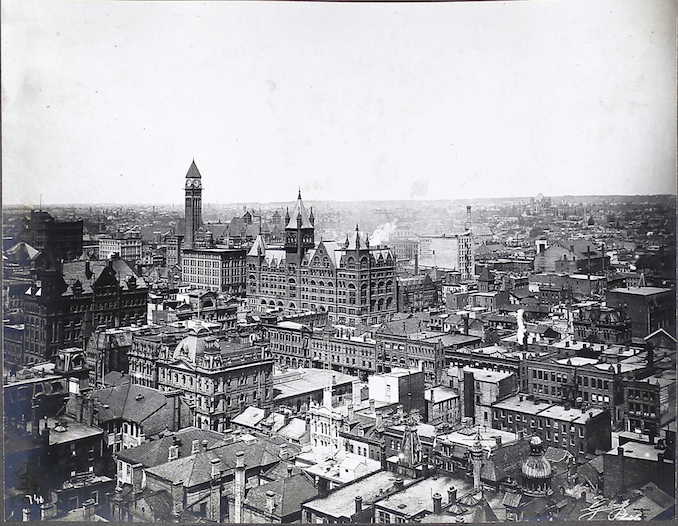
{"x": 43, "y": 204}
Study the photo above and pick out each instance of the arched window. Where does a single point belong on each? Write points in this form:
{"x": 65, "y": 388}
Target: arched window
{"x": 350, "y": 263}
{"x": 363, "y": 262}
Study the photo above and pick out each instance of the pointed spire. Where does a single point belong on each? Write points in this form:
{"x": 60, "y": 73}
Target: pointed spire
{"x": 311, "y": 217}
{"x": 299, "y": 194}
{"x": 287, "y": 214}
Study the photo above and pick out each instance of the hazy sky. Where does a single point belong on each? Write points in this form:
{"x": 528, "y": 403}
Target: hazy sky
{"x": 110, "y": 101}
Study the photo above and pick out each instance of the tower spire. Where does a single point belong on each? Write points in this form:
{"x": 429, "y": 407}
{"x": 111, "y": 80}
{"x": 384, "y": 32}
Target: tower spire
{"x": 299, "y": 194}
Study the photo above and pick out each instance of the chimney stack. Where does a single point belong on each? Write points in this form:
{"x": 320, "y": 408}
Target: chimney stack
{"x": 204, "y": 445}
{"x": 451, "y": 495}
{"x": 437, "y": 503}
{"x": 178, "y": 497}
{"x": 372, "y": 405}
{"x": 195, "y": 447}
{"x": 358, "y": 504}
{"x": 620, "y": 454}
{"x": 399, "y": 484}
{"x": 215, "y": 465}
{"x": 239, "y": 484}
{"x": 270, "y": 501}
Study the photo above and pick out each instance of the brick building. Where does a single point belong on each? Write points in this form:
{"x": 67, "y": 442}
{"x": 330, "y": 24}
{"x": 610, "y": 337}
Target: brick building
{"x": 580, "y": 431}
{"x": 650, "y": 308}
{"x": 68, "y": 301}
{"x": 601, "y": 325}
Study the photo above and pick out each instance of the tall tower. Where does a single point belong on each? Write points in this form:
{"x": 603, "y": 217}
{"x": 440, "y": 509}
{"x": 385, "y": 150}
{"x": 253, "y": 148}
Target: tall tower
{"x": 299, "y": 232}
{"x": 193, "y": 210}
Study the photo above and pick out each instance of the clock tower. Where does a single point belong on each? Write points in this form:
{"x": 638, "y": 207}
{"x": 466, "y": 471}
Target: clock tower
{"x": 193, "y": 211}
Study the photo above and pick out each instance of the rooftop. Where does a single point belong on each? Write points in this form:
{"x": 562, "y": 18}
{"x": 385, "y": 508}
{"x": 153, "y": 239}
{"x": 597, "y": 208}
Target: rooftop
{"x": 69, "y": 432}
{"x": 640, "y": 291}
{"x": 417, "y": 497}
{"x": 297, "y": 382}
{"x": 341, "y": 502}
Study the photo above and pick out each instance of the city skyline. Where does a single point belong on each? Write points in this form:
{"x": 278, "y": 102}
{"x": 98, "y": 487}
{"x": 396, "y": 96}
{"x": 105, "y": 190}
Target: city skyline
{"x": 116, "y": 115}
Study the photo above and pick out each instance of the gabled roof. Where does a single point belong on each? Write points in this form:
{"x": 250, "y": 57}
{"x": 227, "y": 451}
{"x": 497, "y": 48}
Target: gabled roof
{"x": 258, "y": 247}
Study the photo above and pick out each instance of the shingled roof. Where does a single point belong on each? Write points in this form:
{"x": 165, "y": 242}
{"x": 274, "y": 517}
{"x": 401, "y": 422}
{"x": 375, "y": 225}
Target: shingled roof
{"x": 139, "y": 404}
{"x": 289, "y": 494}
{"x": 156, "y": 452}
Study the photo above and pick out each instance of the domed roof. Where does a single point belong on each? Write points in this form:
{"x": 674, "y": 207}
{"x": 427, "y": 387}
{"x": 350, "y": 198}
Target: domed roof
{"x": 536, "y": 466}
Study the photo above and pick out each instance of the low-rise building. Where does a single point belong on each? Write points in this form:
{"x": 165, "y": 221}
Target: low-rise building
{"x": 582, "y": 432}
{"x": 442, "y": 406}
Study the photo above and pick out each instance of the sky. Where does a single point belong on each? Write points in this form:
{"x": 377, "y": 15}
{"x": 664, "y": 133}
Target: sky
{"x": 109, "y": 102}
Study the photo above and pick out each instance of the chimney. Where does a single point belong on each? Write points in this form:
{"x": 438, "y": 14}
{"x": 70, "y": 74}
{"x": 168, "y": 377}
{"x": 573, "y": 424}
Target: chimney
{"x": 468, "y": 217}
{"x": 399, "y": 484}
{"x": 173, "y": 453}
{"x": 204, "y": 445}
{"x": 451, "y": 495}
{"x": 437, "y": 503}
{"x": 372, "y": 405}
{"x": 358, "y": 504}
{"x": 270, "y": 501}
{"x": 195, "y": 447}
{"x": 215, "y": 468}
{"x": 47, "y": 511}
{"x": 521, "y": 397}
{"x": 582, "y": 496}
{"x": 660, "y": 458}
{"x": 178, "y": 498}
{"x": 620, "y": 454}
{"x": 327, "y": 397}
{"x": 350, "y": 411}
{"x": 379, "y": 424}
{"x": 498, "y": 441}
{"x": 88, "y": 510}
{"x": 137, "y": 477}
{"x": 289, "y": 471}
{"x": 35, "y": 419}
{"x": 239, "y": 487}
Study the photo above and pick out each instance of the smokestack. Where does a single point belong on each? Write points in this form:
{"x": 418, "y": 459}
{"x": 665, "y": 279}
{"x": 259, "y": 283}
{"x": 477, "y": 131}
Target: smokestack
{"x": 437, "y": 503}
{"x": 468, "y": 217}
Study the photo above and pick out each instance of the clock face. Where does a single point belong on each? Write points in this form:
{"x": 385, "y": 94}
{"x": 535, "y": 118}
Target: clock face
{"x": 193, "y": 183}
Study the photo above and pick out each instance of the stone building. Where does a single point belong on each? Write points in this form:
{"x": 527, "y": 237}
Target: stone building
{"x": 352, "y": 281}
{"x": 68, "y": 300}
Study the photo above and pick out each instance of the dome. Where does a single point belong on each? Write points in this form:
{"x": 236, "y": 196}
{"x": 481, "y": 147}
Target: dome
{"x": 536, "y": 470}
